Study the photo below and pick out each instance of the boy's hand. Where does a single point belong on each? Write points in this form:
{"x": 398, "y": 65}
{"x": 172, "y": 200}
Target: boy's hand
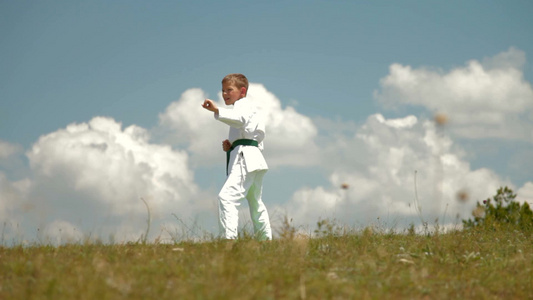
{"x": 210, "y": 105}
{"x": 226, "y": 145}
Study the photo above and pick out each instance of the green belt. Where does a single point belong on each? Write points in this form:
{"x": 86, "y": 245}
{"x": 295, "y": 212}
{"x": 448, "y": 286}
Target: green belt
{"x": 243, "y": 142}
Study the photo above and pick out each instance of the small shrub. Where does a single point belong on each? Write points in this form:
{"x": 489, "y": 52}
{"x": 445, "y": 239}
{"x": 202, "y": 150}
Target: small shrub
{"x": 502, "y": 211}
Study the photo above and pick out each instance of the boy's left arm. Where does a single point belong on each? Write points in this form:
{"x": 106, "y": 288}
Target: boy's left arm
{"x": 233, "y": 117}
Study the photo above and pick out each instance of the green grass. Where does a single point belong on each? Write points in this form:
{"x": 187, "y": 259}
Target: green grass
{"x": 473, "y": 264}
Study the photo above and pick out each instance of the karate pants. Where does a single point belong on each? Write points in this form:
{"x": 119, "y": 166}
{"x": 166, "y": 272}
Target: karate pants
{"x": 240, "y": 185}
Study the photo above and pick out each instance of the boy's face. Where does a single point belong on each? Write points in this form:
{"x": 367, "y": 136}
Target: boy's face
{"x": 231, "y": 93}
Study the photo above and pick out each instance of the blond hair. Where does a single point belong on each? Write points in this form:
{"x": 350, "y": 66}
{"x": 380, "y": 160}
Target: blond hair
{"x": 236, "y": 79}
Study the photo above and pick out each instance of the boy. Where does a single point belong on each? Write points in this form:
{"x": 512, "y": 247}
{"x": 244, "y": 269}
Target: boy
{"x": 246, "y": 165}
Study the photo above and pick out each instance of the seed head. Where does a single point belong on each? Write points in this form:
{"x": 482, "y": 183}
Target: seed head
{"x": 462, "y": 196}
{"x": 441, "y": 119}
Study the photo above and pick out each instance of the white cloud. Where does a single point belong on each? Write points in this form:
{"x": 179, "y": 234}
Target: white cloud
{"x": 11, "y": 160}
{"x": 406, "y": 122}
{"x": 377, "y": 160}
{"x": 91, "y": 176}
{"x": 511, "y": 59}
{"x": 289, "y": 137}
{"x": 13, "y": 204}
{"x": 185, "y": 123}
{"x": 525, "y": 194}
{"x": 481, "y": 100}
{"x": 378, "y": 165}
{"x": 308, "y": 205}
{"x": 8, "y": 195}
{"x": 7, "y": 149}
{"x": 59, "y": 232}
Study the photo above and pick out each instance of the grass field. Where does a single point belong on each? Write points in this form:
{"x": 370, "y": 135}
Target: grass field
{"x": 364, "y": 264}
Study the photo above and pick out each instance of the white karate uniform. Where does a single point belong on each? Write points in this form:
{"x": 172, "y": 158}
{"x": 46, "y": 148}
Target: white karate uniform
{"x": 246, "y": 169}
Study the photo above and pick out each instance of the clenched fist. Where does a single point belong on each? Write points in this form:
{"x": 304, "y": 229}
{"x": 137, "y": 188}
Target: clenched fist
{"x": 210, "y": 105}
{"x": 226, "y": 145}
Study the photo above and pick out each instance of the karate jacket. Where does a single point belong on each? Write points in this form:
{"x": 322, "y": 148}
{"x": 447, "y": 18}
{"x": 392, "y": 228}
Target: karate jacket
{"x": 245, "y": 123}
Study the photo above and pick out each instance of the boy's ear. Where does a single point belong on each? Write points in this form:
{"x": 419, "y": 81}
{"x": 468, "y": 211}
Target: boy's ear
{"x": 243, "y": 91}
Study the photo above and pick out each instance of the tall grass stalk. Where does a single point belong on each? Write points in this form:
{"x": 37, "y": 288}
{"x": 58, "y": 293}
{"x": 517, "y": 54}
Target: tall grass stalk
{"x": 148, "y": 221}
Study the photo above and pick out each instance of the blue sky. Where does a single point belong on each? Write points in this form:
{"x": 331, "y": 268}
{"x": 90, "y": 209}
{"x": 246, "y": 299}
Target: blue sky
{"x": 67, "y": 62}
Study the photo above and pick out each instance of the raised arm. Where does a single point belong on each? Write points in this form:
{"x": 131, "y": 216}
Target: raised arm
{"x": 235, "y": 117}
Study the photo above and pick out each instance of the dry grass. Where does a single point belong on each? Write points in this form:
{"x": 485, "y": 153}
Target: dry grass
{"x": 357, "y": 265}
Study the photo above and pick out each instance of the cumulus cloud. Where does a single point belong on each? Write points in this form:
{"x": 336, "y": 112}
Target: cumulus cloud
{"x": 409, "y": 170}
{"x": 482, "y": 99}
{"x": 373, "y": 176}
{"x": 12, "y": 160}
{"x": 7, "y": 149}
{"x": 90, "y": 177}
{"x": 9, "y": 196}
{"x": 59, "y": 232}
{"x": 525, "y": 194}
{"x": 185, "y": 123}
{"x": 289, "y": 137}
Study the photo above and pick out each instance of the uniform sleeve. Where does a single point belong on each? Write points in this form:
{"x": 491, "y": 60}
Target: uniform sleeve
{"x": 232, "y": 117}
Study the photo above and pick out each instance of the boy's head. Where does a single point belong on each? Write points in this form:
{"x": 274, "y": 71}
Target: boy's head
{"x": 234, "y": 87}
